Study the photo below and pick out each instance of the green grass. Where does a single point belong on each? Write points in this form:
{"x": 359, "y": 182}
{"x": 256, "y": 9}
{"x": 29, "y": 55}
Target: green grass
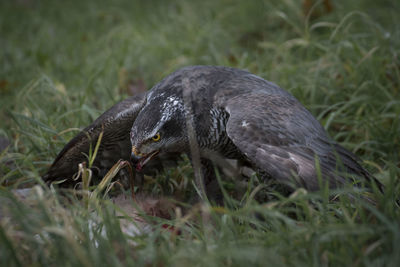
{"x": 63, "y": 64}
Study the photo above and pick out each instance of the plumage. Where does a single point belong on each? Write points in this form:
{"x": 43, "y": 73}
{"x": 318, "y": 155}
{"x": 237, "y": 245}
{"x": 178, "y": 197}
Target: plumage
{"x": 235, "y": 115}
{"x": 239, "y": 115}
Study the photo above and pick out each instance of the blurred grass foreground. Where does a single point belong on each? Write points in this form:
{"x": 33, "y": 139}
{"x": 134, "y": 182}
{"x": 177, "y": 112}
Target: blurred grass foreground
{"x": 65, "y": 62}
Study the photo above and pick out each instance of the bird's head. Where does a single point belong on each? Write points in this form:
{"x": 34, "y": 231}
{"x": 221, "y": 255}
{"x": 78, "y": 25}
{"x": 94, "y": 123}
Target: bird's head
{"x": 158, "y": 128}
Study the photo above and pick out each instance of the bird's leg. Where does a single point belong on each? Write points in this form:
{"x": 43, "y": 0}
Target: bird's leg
{"x": 211, "y": 184}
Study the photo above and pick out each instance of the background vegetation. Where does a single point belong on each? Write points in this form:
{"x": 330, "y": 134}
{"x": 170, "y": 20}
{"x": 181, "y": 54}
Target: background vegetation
{"x": 64, "y": 62}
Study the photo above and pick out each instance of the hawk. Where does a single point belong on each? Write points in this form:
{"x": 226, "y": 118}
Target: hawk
{"x": 209, "y": 111}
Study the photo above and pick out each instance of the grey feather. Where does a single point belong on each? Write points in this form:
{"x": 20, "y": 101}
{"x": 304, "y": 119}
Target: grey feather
{"x": 242, "y": 116}
{"x": 236, "y": 115}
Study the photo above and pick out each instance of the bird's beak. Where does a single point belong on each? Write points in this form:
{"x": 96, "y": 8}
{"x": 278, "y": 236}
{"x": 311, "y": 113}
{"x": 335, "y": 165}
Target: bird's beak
{"x": 140, "y": 159}
{"x": 136, "y": 155}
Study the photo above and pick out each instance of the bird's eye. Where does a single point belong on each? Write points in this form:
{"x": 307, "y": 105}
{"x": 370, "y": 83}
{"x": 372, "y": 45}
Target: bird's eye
{"x": 156, "y": 137}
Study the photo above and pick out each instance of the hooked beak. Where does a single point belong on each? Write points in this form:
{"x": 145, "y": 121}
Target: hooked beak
{"x": 141, "y": 159}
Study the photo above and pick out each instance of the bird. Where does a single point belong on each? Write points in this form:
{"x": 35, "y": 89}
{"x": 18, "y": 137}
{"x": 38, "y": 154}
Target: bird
{"x": 234, "y": 114}
{"x": 215, "y": 112}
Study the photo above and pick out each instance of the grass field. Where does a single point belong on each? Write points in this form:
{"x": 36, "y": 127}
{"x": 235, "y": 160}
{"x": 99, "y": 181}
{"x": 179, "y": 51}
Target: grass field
{"x": 64, "y": 63}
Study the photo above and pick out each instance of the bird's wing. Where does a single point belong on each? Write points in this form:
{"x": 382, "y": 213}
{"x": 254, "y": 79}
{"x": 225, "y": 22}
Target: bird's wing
{"x": 115, "y": 124}
{"x": 281, "y": 138}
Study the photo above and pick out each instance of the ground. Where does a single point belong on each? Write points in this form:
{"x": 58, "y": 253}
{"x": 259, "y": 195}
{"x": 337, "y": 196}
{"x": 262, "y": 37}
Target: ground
{"x": 63, "y": 64}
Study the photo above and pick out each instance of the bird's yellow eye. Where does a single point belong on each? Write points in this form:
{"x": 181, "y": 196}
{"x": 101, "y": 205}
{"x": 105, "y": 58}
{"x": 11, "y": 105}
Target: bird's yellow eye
{"x": 156, "y": 137}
